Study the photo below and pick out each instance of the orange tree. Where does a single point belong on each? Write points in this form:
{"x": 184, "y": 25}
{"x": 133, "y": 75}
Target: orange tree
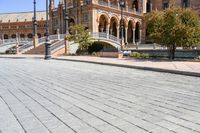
{"x": 174, "y": 27}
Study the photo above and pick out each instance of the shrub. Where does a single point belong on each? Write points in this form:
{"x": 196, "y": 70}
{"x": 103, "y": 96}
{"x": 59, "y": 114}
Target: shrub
{"x": 198, "y": 57}
{"x": 139, "y": 55}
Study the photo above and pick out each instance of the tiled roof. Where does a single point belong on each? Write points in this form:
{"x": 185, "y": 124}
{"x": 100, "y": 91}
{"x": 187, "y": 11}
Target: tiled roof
{"x": 21, "y": 16}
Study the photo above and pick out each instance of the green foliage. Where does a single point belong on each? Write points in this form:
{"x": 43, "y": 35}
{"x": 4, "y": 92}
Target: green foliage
{"x": 174, "y": 27}
{"x": 81, "y": 36}
{"x": 197, "y": 58}
{"x": 139, "y": 55}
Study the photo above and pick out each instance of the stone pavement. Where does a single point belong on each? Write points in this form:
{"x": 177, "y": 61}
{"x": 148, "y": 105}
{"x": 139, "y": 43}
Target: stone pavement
{"x": 38, "y": 96}
{"x": 177, "y": 67}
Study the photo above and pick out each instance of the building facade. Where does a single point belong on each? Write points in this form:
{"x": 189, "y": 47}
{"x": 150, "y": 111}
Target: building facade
{"x": 21, "y": 24}
{"x": 97, "y": 15}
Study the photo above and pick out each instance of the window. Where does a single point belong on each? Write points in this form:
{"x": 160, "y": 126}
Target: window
{"x": 185, "y": 3}
{"x": 165, "y": 4}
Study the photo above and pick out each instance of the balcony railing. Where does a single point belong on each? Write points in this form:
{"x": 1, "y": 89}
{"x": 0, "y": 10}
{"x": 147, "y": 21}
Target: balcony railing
{"x": 116, "y": 7}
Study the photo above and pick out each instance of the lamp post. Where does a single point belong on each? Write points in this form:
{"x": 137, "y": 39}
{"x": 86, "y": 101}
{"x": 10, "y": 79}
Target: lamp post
{"x": 35, "y": 25}
{"x": 66, "y": 19}
{"x": 47, "y": 43}
{"x": 34, "y": 20}
{"x": 122, "y": 5}
{"x": 66, "y": 28}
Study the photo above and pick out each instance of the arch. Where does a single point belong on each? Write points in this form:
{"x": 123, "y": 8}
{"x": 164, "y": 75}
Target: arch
{"x": 137, "y": 31}
{"x": 39, "y": 35}
{"x": 135, "y": 5}
{"x": 71, "y": 22}
{"x": 13, "y": 36}
{"x": 148, "y": 6}
{"x": 30, "y": 35}
{"x": 114, "y": 24}
{"x": 22, "y": 36}
{"x": 5, "y": 36}
{"x": 103, "y": 22}
{"x": 130, "y": 32}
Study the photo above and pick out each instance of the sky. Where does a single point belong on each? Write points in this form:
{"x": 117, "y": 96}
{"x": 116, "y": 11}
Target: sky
{"x": 8, "y": 6}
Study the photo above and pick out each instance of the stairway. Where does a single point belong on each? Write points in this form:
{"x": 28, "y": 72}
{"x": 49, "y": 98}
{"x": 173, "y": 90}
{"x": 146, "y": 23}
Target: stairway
{"x": 40, "y": 50}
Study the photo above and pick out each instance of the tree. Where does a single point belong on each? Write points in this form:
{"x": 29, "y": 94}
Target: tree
{"x": 174, "y": 27}
{"x": 80, "y": 35}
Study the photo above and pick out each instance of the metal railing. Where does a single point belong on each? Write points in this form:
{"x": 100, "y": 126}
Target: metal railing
{"x": 56, "y": 46}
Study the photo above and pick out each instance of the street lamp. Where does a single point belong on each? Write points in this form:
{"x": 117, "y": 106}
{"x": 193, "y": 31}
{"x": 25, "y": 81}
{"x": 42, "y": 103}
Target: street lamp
{"x": 66, "y": 28}
{"x": 34, "y": 20}
{"x": 66, "y": 19}
{"x": 122, "y": 5}
{"x": 47, "y": 43}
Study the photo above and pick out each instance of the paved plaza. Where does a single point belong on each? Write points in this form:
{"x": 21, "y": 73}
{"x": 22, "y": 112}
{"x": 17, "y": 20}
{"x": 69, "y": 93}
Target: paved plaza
{"x": 38, "y": 96}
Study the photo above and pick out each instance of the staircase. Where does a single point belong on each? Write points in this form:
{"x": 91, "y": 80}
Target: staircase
{"x": 40, "y": 50}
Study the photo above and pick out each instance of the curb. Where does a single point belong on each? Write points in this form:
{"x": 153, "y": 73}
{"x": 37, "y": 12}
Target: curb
{"x": 136, "y": 67}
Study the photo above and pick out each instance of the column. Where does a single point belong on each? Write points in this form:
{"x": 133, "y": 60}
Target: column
{"x": 111, "y": 31}
{"x": 107, "y": 30}
{"x": 118, "y": 32}
{"x": 108, "y": 3}
{"x": 140, "y": 40}
{"x": 126, "y": 34}
{"x": 133, "y": 36}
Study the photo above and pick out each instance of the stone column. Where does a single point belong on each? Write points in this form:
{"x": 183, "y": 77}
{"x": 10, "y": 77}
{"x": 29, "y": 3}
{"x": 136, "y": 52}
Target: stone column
{"x": 140, "y": 40}
{"x": 133, "y": 36}
{"x": 107, "y": 30}
{"x": 126, "y": 34}
{"x": 58, "y": 34}
{"x": 118, "y": 30}
{"x": 111, "y": 31}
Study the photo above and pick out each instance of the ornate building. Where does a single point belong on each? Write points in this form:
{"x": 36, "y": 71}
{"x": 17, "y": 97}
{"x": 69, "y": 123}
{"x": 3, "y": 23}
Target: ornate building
{"x": 96, "y": 15}
{"x": 101, "y": 16}
{"x": 13, "y": 24}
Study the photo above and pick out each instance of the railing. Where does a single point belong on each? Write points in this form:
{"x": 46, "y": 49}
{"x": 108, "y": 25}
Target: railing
{"x": 56, "y": 46}
{"x": 114, "y": 6}
{"x": 103, "y": 35}
{"x": 102, "y": 3}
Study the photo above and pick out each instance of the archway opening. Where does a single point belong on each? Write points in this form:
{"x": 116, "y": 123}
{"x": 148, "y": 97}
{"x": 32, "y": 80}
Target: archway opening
{"x": 102, "y": 23}
{"x": 137, "y": 32}
{"x": 148, "y": 6}
{"x": 130, "y": 32}
{"x": 22, "y": 36}
{"x": 30, "y": 35}
{"x": 39, "y": 35}
{"x": 13, "y": 36}
{"x": 113, "y": 26}
{"x": 5, "y": 36}
{"x": 71, "y": 23}
{"x": 135, "y": 5}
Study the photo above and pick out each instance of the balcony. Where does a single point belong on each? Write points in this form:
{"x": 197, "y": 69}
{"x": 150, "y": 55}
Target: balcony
{"x": 113, "y": 6}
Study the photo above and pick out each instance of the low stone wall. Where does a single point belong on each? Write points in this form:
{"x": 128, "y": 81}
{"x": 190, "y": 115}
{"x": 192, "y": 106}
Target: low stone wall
{"x": 164, "y": 53}
{"x": 108, "y": 54}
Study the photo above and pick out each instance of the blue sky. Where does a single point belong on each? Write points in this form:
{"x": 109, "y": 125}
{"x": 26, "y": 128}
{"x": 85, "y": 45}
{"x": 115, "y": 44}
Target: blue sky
{"x": 7, "y": 6}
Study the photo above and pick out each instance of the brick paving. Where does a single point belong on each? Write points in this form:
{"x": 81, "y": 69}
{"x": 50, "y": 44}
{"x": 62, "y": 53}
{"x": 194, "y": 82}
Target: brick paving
{"x": 38, "y": 96}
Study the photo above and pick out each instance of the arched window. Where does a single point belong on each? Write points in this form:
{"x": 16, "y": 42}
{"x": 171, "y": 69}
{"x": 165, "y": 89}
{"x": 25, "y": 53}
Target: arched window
{"x": 5, "y": 36}
{"x": 135, "y": 5}
{"x": 165, "y": 4}
{"x": 185, "y": 3}
{"x": 149, "y": 6}
{"x": 30, "y": 35}
{"x": 13, "y": 36}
